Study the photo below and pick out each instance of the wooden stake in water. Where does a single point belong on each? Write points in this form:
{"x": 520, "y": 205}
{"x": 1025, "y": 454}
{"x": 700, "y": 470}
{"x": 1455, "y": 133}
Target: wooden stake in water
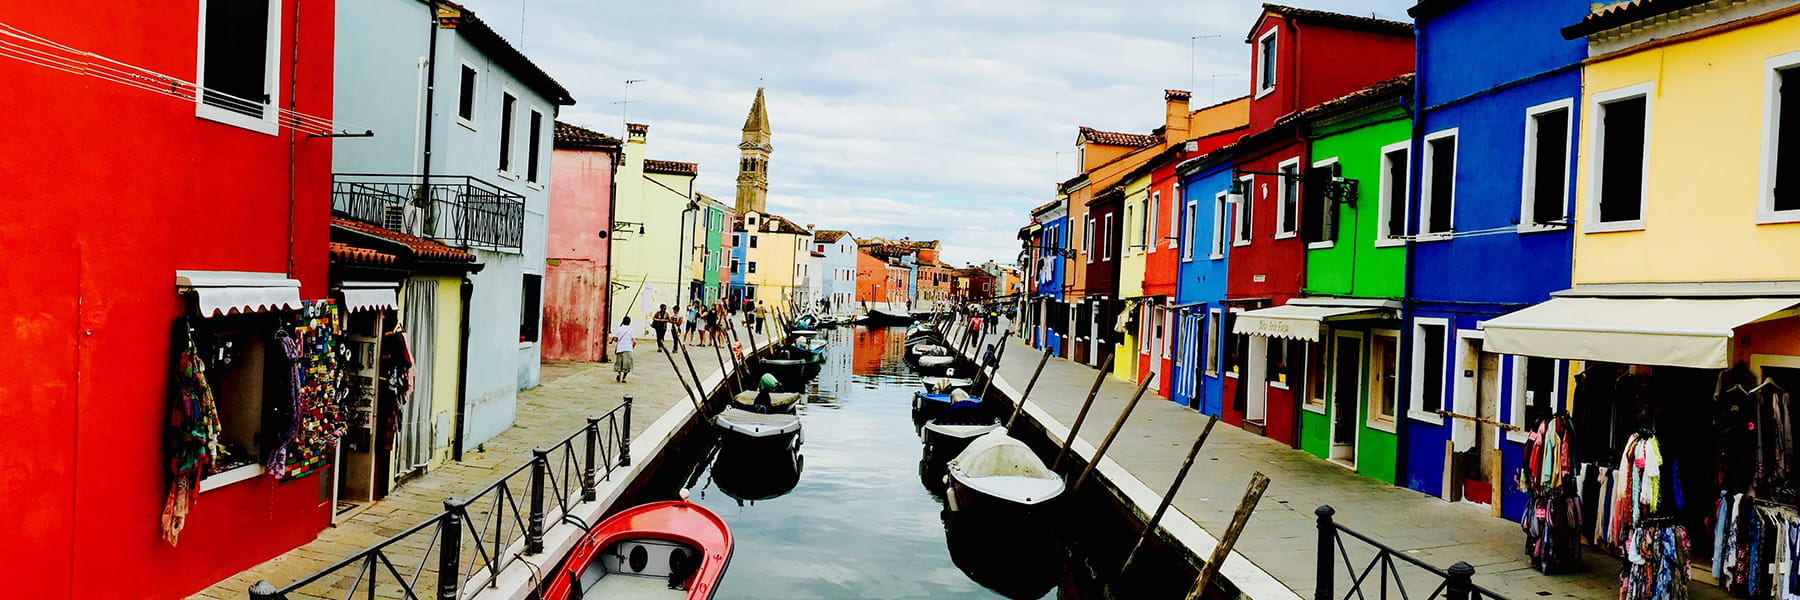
{"x": 1124, "y": 415}
{"x": 1099, "y": 378}
{"x": 1169, "y": 497}
{"x": 698, "y": 404}
{"x": 1019, "y": 406}
{"x": 1252, "y": 495}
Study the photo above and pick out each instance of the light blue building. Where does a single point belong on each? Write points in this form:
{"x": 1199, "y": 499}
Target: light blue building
{"x": 838, "y": 269}
{"x": 479, "y": 149}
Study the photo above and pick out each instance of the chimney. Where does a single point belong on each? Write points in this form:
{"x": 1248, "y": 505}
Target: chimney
{"x": 1175, "y": 115}
{"x": 637, "y": 131}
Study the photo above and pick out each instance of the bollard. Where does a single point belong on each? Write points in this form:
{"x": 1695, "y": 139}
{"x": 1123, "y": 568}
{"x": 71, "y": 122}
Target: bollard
{"x": 1327, "y": 553}
{"x": 263, "y": 590}
{"x": 588, "y": 475}
{"x": 450, "y": 552}
{"x": 1459, "y": 585}
{"x": 625, "y": 437}
{"x": 534, "y": 527}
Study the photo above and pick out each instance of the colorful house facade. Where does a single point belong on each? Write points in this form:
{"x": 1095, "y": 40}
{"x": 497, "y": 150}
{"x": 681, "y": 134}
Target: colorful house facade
{"x": 652, "y": 231}
{"x": 839, "y": 266}
{"x": 1049, "y": 313}
{"x": 577, "y": 263}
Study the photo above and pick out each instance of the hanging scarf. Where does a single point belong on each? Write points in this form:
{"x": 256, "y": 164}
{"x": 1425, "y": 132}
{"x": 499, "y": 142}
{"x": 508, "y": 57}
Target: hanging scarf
{"x": 191, "y": 440}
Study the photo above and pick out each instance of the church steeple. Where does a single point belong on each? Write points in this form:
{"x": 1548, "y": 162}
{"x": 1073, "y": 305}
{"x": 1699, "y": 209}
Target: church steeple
{"x": 753, "y": 168}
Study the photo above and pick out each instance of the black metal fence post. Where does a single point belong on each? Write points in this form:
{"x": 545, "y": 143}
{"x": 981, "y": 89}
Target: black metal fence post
{"x": 588, "y": 473}
{"x": 625, "y": 436}
{"x": 450, "y": 551}
{"x": 1459, "y": 585}
{"x": 263, "y": 590}
{"x": 534, "y": 528}
{"x": 1327, "y": 553}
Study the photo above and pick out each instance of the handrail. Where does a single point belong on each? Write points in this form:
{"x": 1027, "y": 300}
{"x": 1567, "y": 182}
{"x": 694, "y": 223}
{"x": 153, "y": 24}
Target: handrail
{"x": 1454, "y": 583}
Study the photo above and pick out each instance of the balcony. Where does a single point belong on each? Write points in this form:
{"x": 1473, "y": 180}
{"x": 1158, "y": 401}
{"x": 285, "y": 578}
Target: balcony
{"x": 457, "y": 210}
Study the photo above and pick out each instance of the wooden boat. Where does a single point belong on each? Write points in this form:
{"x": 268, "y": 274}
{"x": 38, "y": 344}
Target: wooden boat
{"x": 793, "y": 365}
{"x": 881, "y": 317}
{"x": 1001, "y": 474}
{"x": 779, "y": 402}
{"x": 673, "y": 549}
{"x": 1016, "y": 558}
{"x": 751, "y": 474}
{"x": 945, "y": 385}
{"x": 928, "y": 405}
{"x": 947, "y": 434}
{"x": 936, "y": 363}
{"x": 745, "y": 429}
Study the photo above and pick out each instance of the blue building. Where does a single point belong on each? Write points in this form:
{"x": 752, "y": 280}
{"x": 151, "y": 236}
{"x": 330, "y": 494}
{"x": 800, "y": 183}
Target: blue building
{"x": 1200, "y": 280}
{"x": 738, "y": 244}
{"x": 1049, "y": 311}
{"x": 1490, "y": 164}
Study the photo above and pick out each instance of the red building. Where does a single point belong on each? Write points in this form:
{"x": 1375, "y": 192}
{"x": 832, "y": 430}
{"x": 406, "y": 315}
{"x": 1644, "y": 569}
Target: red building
{"x": 576, "y": 293}
{"x": 139, "y": 201}
{"x": 1342, "y": 53}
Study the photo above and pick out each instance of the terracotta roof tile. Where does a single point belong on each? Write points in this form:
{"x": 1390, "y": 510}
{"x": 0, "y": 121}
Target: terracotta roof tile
{"x": 1301, "y": 15}
{"x": 421, "y": 248}
{"x": 829, "y": 236}
{"x": 778, "y": 224}
{"x": 1619, "y": 14}
{"x": 1110, "y": 138}
{"x": 669, "y": 167}
{"x": 574, "y": 137}
{"x": 345, "y": 254}
{"x": 1373, "y": 94}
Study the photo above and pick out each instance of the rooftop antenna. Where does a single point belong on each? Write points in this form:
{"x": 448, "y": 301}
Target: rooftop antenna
{"x": 625, "y": 105}
{"x": 1193, "y": 55}
{"x": 1215, "y": 83}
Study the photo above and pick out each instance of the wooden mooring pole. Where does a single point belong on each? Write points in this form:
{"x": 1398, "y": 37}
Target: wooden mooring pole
{"x": 1019, "y": 407}
{"x": 1169, "y": 497}
{"x": 698, "y": 404}
{"x": 1094, "y": 461}
{"x": 1075, "y": 429}
{"x": 1252, "y": 495}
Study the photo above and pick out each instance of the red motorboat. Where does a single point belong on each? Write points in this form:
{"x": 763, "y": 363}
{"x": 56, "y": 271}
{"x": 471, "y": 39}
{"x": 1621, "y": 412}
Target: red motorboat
{"x": 673, "y": 549}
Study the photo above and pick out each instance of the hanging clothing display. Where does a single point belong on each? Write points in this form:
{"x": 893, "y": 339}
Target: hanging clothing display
{"x": 396, "y": 384}
{"x": 1656, "y": 566}
{"x": 320, "y": 414}
{"x": 191, "y": 438}
{"x": 1552, "y": 519}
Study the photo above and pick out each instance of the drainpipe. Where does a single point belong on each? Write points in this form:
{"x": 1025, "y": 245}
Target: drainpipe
{"x": 612, "y": 213}
{"x": 462, "y": 366}
{"x": 430, "y": 96}
{"x": 1408, "y": 306}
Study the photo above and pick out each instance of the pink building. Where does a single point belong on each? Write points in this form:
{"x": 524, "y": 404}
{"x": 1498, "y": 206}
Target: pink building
{"x": 575, "y": 274}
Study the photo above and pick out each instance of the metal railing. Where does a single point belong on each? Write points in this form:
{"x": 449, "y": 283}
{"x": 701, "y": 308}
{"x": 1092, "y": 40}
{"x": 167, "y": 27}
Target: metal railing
{"x": 458, "y": 210}
{"x": 472, "y": 541}
{"x": 1382, "y": 572}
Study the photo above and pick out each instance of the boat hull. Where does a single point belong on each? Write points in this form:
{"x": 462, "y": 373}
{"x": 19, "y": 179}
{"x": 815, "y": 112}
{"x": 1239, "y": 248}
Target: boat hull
{"x": 944, "y": 442}
{"x": 666, "y": 526}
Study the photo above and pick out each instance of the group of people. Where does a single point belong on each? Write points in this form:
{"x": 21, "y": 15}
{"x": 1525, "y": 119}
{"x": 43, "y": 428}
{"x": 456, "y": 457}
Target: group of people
{"x": 702, "y": 324}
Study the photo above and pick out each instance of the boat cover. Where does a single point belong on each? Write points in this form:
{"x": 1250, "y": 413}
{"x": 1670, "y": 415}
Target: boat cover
{"x": 757, "y": 425}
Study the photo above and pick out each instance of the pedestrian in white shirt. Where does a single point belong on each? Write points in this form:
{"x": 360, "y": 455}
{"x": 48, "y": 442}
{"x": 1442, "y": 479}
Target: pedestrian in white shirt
{"x": 624, "y": 339}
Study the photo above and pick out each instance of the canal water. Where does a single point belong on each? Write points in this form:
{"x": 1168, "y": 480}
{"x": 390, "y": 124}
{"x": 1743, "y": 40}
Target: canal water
{"x": 855, "y": 514}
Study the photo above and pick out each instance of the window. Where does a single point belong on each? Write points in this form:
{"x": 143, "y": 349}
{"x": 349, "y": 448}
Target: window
{"x": 1315, "y": 376}
{"x": 1319, "y": 213}
{"x": 239, "y": 48}
{"x": 1393, "y": 194}
{"x": 1151, "y": 236}
{"x": 1221, "y": 221}
{"x": 1439, "y": 180}
{"x": 1132, "y": 232}
{"x": 1546, "y": 180}
{"x": 1534, "y": 392}
{"x": 753, "y": 241}
{"x": 1780, "y": 202}
{"x": 1187, "y": 230}
{"x": 507, "y": 105}
{"x": 1623, "y": 123}
{"x": 1383, "y": 373}
{"x": 1104, "y": 235}
{"x": 465, "y": 102}
{"x": 752, "y": 266}
{"x": 1287, "y": 206}
{"x": 1265, "y": 64}
{"x": 236, "y": 361}
{"x": 1278, "y": 363}
{"x": 531, "y": 154}
{"x": 1245, "y": 218}
{"x": 1164, "y": 327}
{"x": 1429, "y": 348}
{"x": 1087, "y": 241}
{"x": 1143, "y": 328}
{"x": 530, "y": 307}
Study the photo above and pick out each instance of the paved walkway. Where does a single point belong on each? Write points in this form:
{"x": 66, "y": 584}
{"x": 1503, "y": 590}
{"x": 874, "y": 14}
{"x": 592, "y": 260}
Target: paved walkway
{"x": 1281, "y": 537}
{"x": 567, "y": 394}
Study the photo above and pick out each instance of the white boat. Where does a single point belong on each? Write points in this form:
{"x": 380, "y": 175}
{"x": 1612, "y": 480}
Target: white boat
{"x": 778, "y": 402}
{"x": 997, "y": 472}
{"x": 928, "y": 349}
{"x": 936, "y": 361}
{"x": 944, "y": 385}
{"x": 947, "y": 434}
{"x": 779, "y": 429}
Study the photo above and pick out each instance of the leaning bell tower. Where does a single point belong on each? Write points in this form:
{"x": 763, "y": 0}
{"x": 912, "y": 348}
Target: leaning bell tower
{"x": 753, "y": 167}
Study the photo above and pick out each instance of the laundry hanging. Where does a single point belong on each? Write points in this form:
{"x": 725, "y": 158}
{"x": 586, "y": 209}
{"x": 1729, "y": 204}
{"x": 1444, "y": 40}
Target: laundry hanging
{"x": 191, "y": 439}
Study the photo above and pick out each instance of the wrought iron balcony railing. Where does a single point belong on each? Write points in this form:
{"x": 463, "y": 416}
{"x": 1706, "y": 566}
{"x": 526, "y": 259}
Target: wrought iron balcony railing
{"x": 458, "y": 210}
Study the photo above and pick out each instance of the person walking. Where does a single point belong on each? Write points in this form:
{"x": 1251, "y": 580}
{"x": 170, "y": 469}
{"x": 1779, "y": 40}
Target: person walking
{"x": 762, "y": 314}
{"x": 693, "y": 320}
{"x": 660, "y": 323}
{"x": 624, "y": 339}
{"x": 715, "y": 326}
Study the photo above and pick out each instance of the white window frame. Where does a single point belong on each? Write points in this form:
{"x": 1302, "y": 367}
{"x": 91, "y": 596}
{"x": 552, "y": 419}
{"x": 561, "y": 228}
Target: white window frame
{"x": 474, "y": 100}
{"x": 270, "y": 123}
{"x": 536, "y": 180}
{"x": 1088, "y": 241}
{"x": 1371, "y": 420}
{"x": 1771, "y": 127}
{"x": 1245, "y": 228}
{"x": 1383, "y": 237}
{"x": 1262, "y": 61}
{"x": 1428, "y": 164}
{"x": 1186, "y": 240}
{"x": 1596, "y": 159}
{"x": 1144, "y": 328}
{"x": 1174, "y": 241}
{"x": 1416, "y": 399}
{"x": 1528, "y": 220}
{"x": 1104, "y": 233}
{"x": 1213, "y": 318}
{"x": 1132, "y": 232}
{"x": 512, "y": 145}
{"x": 1515, "y": 414}
{"x": 1221, "y": 225}
{"x": 1282, "y": 199}
{"x": 1169, "y": 323}
{"x": 1151, "y": 237}
{"x": 1331, "y": 243}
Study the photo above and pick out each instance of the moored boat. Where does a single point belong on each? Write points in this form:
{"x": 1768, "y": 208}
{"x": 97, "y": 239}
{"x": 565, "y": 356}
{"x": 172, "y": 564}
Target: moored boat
{"x": 947, "y": 434}
{"x": 792, "y": 364}
{"x": 779, "y": 402}
{"x": 999, "y": 473}
{"x": 751, "y": 474}
{"x": 928, "y": 405}
{"x": 673, "y": 549}
{"x": 880, "y": 317}
{"x": 749, "y": 429}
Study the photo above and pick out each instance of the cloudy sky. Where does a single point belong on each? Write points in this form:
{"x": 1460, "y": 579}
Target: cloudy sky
{"x": 922, "y": 119}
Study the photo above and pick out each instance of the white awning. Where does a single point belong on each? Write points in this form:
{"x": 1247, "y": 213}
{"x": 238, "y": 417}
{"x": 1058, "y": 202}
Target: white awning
{"x": 362, "y": 296}
{"x": 1302, "y": 320}
{"x": 1672, "y": 332}
{"x": 240, "y": 292}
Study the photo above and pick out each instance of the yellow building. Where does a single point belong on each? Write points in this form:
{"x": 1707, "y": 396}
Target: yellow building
{"x": 1133, "y": 254}
{"x": 774, "y": 250}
